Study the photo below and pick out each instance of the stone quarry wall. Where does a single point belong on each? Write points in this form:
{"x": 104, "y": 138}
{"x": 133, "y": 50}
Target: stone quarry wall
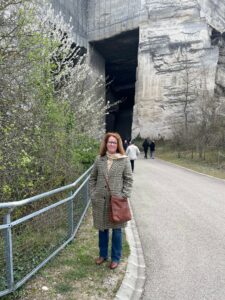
{"x": 175, "y": 43}
{"x": 97, "y": 63}
{"x": 107, "y": 18}
{"x": 77, "y": 10}
{"x": 214, "y": 12}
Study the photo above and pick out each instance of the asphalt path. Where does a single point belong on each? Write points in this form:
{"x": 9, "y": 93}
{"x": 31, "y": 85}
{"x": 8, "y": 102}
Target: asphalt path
{"x": 180, "y": 217}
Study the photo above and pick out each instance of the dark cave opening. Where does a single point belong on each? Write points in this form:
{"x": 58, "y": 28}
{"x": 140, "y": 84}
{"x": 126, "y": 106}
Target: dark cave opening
{"x": 120, "y": 54}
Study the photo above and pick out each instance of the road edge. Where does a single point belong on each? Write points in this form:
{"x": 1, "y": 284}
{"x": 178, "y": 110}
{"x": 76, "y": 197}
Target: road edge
{"x": 132, "y": 286}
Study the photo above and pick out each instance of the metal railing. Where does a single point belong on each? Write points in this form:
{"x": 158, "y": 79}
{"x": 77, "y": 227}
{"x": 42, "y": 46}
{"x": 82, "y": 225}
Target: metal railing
{"x": 33, "y": 231}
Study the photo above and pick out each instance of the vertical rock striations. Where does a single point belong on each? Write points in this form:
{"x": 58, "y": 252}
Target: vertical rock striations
{"x": 214, "y": 12}
{"x": 175, "y": 62}
{"x": 181, "y": 53}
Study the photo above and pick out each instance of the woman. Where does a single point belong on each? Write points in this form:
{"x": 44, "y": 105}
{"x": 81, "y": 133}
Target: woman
{"x": 112, "y": 165}
{"x": 132, "y": 152}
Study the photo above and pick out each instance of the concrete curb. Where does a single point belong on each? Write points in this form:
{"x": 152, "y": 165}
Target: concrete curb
{"x": 133, "y": 283}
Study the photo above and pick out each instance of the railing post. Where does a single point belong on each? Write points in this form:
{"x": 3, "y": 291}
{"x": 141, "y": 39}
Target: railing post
{"x": 8, "y": 249}
{"x": 70, "y": 215}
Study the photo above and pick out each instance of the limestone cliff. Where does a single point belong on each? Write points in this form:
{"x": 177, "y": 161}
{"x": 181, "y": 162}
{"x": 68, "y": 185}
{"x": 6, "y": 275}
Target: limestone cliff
{"x": 181, "y": 53}
{"x": 214, "y": 12}
{"x": 174, "y": 51}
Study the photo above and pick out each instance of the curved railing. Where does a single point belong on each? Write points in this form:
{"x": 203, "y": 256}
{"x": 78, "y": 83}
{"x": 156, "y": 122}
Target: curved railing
{"x": 34, "y": 230}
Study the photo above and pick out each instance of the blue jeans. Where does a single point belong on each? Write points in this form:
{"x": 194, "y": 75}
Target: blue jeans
{"x": 116, "y": 250}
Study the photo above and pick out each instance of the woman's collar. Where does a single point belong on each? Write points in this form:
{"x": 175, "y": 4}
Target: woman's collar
{"x": 115, "y": 155}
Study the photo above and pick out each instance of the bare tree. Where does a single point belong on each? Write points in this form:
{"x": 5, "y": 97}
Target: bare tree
{"x": 204, "y": 130}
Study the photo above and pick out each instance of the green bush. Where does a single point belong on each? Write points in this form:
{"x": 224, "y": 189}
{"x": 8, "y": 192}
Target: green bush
{"x": 50, "y": 117}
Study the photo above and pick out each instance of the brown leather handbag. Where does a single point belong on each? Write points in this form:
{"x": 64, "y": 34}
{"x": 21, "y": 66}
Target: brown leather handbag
{"x": 119, "y": 210}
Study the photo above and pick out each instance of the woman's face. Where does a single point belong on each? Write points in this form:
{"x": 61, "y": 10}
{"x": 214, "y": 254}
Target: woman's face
{"x": 111, "y": 145}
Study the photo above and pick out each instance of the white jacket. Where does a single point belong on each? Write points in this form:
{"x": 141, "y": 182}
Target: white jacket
{"x": 132, "y": 152}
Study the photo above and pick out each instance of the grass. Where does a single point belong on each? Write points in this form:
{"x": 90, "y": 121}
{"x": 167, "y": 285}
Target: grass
{"x": 208, "y": 166}
{"x": 73, "y": 273}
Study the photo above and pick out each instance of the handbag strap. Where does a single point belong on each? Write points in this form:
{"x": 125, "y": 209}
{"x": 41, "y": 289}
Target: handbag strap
{"x": 107, "y": 183}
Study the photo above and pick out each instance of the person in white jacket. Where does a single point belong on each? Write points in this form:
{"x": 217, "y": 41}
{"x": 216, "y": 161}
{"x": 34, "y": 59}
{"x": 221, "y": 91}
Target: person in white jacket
{"x": 132, "y": 152}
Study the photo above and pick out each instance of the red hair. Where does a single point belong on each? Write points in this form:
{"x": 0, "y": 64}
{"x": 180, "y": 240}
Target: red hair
{"x": 103, "y": 147}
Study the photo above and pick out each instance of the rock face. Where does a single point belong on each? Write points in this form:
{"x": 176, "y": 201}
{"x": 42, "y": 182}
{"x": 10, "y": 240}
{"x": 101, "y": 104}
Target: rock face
{"x": 107, "y": 18}
{"x": 220, "y": 74}
{"x": 76, "y": 10}
{"x": 214, "y": 12}
{"x": 175, "y": 54}
{"x": 177, "y": 58}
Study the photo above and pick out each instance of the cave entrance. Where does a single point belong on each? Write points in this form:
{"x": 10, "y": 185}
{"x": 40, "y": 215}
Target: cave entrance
{"x": 120, "y": 54}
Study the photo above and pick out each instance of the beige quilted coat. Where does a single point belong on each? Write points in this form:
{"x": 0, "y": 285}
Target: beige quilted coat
{"x": 120, "y": 182}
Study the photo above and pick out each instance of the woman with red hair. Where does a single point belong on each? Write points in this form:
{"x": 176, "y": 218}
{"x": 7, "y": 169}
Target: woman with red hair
{"x": 111, "y": 167}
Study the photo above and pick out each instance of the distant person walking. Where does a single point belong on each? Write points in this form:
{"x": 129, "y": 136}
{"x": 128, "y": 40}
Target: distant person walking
{"x": 132, "y": 152}
{"x": 145, "y": 146}
{"x": 152, "y": 149}
{"x": 125, "y": 144}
